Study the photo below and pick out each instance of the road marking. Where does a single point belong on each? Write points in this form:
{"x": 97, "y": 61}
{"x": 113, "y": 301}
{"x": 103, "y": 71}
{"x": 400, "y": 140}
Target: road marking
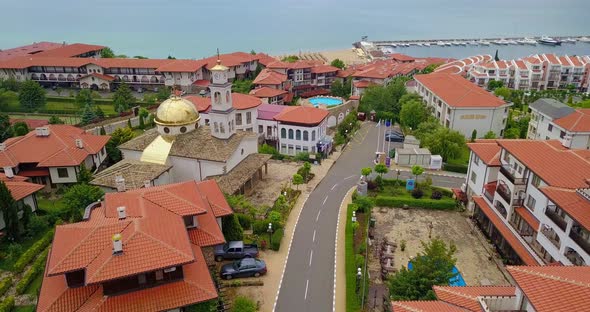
{"x": 325, "y": 200}
{"x": 336, "y": 251}
{"x": 313, "y": 239}
{"x": 334, "y": 186}
{"x": 306, "y": 286}
{"x": 352, "y": 176}
{"x": 310, "y": 257}
{"x": 318, "y": 216}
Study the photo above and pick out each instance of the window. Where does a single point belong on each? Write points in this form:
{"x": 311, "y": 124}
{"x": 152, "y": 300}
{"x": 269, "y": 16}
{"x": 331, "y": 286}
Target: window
{"x": 239, "y": 119}
{"x": 298, "y": 135}
{"x": 536, "y": 180}
{"x": 190, "y": 221}
{"x": 62, "y": 172}
{"x": 268, "y": 130}
{"x": 182, "y": 129}
{"x": 313, "y": 135}
{"x": 283, "y": 133}
{"x": 166, "y": 130}
{"x": 221, "y": 127}
{"x": 475, "y": 159}
{"x": 473, "y": 176}
{"x": 305, "y": 135}
{"x": 75, "y": 278}
{"x": 283, "y": 148}
{"x": 530, "y": 202}
{"x": 291, "y": 134}
{"x": 216, "y": 127}
{"x": 550, "y": 127}
{"x": 260, "y": 129}
{"x": 249, "y": 117}
{"x": 297, "y": 149}
{"x": 306, "y": 149}
{"x": 562, "y": 134}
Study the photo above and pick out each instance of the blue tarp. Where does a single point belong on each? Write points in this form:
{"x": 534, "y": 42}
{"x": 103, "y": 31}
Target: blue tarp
{"x": 455, "y": 281}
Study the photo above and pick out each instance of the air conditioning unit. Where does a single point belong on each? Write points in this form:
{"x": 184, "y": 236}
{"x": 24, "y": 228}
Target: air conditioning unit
{"x": 42, "y": 131}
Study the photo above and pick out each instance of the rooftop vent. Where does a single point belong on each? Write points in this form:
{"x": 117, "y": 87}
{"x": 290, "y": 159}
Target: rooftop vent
{"x": 121, "y": 212}
{"x": 42, "y": 131}
{"x": 117, "y": 244}
{"x": 147, "y": 183}
{"x": 120, "y": 182}
{"x": 8, "y": 172}
{"x": 79, "y": 143}
{"x": 2, "y": 147}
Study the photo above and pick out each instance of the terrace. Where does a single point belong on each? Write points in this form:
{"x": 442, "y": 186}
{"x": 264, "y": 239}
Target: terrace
{"x": 509, "y": 173}
{"x": 556, "y": 215}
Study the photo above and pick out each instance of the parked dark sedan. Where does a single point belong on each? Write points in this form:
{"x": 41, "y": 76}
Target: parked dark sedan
{"x": 243, "y": 268}
{"x": 394, "y": 137}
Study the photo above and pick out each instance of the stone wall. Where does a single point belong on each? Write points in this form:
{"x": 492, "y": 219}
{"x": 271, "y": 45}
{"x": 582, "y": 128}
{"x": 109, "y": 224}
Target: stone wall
{"x": 337, "y": 113}
{"x": 112, "y": 126}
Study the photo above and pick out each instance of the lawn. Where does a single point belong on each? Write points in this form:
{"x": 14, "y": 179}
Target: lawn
{"x": 73, "y": 108}
{"x": 50, "y": 205}
{"x": 28, "y": 308}
{"x": 7, "y": 264}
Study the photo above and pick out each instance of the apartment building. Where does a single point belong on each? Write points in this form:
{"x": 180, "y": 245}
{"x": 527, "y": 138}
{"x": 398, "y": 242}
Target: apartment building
{"x": 553, "y": 120}
{"x": 301, "y": 78}
{"x": 140, "y": 250}
{"x": 22, "y": 191}
{"x": 536, "y": 288}
{"x": 531, "y": 199}
{"x": 460, "y": 105}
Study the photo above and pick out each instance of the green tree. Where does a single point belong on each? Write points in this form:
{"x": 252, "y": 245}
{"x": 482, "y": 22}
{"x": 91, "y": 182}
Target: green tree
{"x": 305, "y": 170}
{"x": 170, "y": 57}
{"x": 107, "y": 53}
{"x": 27, "y": 216}
{"x": 426, "y": 128}
{"x": 84, "y": 97}
{"x": 99, "y": 113}
{"x": 143, "y": 114}
{"x": 381, "y": 169}
{"x": 232, "y": 230}
{"x": 163, "y": 93}
{"x": 31, "y": 95}
{"x": 495, "y": 84}
{"x": 88, "y": 115}
{"x": 512, "y": 133}
{"x": 242, "y": 86}
{"x": 275, "y": 218}
{"x": 384, "y": 98}
{"x": 365, "y": 172}
{"x": 205, "y": 306}
{"x": 490, "y": 135}
{"x": 123, "y": 98}
{"x": 297, "y": 180}
{"x": 445, "y": 142}
{"x": 77, "y": 197}
{"x": 504, "y": 92}
{"x": 433, "y": 266}
{"x": 338, "y": 63}
{"x": 473, "y": 135}
{"x": 5, "y": 127}
{"x": 430, "y": 68}
{"x": 9, "y": 212}
{"x": 244, "y": 304}
{"x": 417, "y": 170}
{"x": 496, "y": 58}
{"x": 341, "y": 88}
{"x": 20, "y": 128}
{"x": 84, "y": 175}
{"x": 103, "y": 131}
{"x": 10, "y": 84}
{"x": 118, "y": 137}
{"x": 54, "y": 120}
{"x": 129, "y": 125}
{"x": 141, "y": 57}
{"x": 412, "y": 114}
{"x": 290, "y": 58}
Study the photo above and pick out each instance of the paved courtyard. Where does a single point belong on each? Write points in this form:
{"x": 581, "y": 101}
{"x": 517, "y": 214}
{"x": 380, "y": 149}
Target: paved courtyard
{"x": 412, "y": 225}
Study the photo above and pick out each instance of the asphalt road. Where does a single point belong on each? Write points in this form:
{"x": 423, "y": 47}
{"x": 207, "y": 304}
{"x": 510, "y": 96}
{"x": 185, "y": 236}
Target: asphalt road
{"x": 308, "y": 281}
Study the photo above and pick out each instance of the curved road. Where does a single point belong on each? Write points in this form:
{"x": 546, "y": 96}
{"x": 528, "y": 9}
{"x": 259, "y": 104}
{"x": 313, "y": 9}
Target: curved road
{"x": 308, "y": 280}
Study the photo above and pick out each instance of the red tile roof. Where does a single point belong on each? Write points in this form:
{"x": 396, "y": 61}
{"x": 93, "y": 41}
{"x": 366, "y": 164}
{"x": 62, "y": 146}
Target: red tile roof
{"x": 230, "y": 59}
{"x": 321, "y": 69}
{"x": 528, "y": 217}
{"x": 303, "y": 115}
{"x": 549, "y": 160}
{"x": 345, "y": 73}
{"x": 424, "y": 306}
{"x": 269, "y": 77}
{"x": 315, "y": 92}
{"x": 201, "y": 103}
{"x": 31, "y": 123}
{"x": 57, "y": 149}
{"x": 202, "y": 83}
{"x": 489, "y": 153}
{"x": 401, "y": 57}
{"x": 267, "y": 92}
{"x": 575, "y": 61}
{"x": 466, "y": 296}
{"x": 182, "y": 66}
{"x": 578, "y": 121}
{"x": 510, "y": 237}
{"x": 571, "y": 202}
{"x": 101, "y": 76}
{"x": 554, "y": 288}
{"x": 457, "y": 91}
{"x": 363, "y": 84}
{"x": 552, "y": 59}
{"x": 244, "y": 101}
{"x": 265, "y": 59}
{"x": 28, "y": 49}
{"x": 70, "y": 50}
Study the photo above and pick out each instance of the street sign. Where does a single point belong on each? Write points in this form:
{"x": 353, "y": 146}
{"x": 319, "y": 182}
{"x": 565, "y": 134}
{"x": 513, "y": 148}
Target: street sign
{"x": 388, "y": 123}
{"x": 388, "y": 161}
{"x": 410, "y": 183}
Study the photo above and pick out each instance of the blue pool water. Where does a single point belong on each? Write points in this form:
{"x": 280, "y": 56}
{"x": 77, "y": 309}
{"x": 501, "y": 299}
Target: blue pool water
{"x": 455, "y": 281}
{"x": 320, "y": 100}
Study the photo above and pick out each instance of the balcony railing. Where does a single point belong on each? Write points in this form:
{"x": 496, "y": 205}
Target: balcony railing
{"x": 550, "y": 235}
{"x": 574, "y": 258}
{"x": 583, "y": 243}
{"x": 557, "y": 219}
{"x": 518, "y": 202}
{"x": 504, "y": 193}
{"x": 508, "y": 172}
{"x": 489, "y": 196}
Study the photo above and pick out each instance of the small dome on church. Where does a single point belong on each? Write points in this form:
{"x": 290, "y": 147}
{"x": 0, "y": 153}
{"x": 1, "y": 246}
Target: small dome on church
{"x": 219, "y": 67}
{"x": 176, "y": 111}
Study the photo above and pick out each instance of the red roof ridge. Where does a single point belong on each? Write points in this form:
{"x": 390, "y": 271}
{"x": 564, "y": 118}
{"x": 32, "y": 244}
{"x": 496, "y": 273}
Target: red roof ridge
{"x": 449, "y": 289}
{"x": 524, "y": 269}
{"x": 168, "y": 193}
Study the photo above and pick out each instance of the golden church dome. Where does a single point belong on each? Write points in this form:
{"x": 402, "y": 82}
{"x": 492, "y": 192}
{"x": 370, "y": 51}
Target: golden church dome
{"x": 176, "y": 111}
{"x": 219, "y": 67}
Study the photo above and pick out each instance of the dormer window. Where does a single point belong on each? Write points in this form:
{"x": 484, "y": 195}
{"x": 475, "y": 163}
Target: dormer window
{"x": 75, "y": 278}
{"x": 190, "y": 221}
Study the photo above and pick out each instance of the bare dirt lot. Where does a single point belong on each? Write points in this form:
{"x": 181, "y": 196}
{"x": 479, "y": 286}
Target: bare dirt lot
{"x": 267, "y": 190}
{"x": 413, "y": 226}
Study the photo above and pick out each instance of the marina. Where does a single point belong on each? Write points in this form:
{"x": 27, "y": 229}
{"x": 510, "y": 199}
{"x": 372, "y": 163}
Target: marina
{"x": 483, "y": 41}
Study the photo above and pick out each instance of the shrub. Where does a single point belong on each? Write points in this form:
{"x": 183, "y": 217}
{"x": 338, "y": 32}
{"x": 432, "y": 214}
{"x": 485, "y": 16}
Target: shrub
{"x": 303, "y": 156}
{"x": 444, "y": 191}
{"x": 207, "y": 306}
{"x": 37, "y": 225}
{"x": 417, "y": 193}
{"x": 359, "y": 261}
{"x": 13, "y": 251}
{"x": 353, "y": 207}
{"x": 36, "y": 269}
{"x": 5, "y": 285}
{"x": 244, "y": 304}
{"x": 277, "y": 236}
{"x": 362, "y": 248}
{"x": 355, "y": 226}
{"x": 402, "y": 245}
{"x": 260, "y": 227}
{"x": 232, "y": 230}
{"x": 436, "y": 195}
{"x": 245, "y": 220}
{"x": 7, "y": 305}
{"x": 364, "y": 203}
{"x": 389, "y": 201}
{"x": 459, "y": 168}
{"x": 267, "y": 149}
{"x": 32, "y": 252}
{"x": 379, "y": 182}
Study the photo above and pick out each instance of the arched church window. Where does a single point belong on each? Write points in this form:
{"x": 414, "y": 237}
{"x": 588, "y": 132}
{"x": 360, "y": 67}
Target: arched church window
{"x": 313, "y": 135}
{"x": 227, "y": 96}
{"x": 216, "y": 127}
{"x": 305, "y": 135}
{"x": 283, "y": 133}
{"x": 291, "y": 134}
{"x": 221, "y": 127}
{"x": 217, "y": 98}
{"x": 298, "y": 135}
{"x": 229, "y": 126}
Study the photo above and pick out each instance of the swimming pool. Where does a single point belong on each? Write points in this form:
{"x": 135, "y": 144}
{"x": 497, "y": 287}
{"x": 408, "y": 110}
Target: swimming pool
{"x": 455, "y": 281}
{"x": 321, "y": 100}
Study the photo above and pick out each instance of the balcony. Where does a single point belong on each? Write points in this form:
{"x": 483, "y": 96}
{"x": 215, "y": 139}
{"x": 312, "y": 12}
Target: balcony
{"x": 574, "y": 257}
{"x": 556, "y": 218}
{"x": 583, "y": 243}
{"x": 508, "y": 172}
{"x": 551, "y": 236}
{"x": 504, "y": 192}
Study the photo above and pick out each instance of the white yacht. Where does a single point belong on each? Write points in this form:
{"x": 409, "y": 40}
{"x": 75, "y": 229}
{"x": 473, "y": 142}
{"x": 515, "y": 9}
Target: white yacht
{"x": 473, "y": 42}
{"x": 528, "y": 41}
{"x": 549, "y": 41}
{"x": 440, "y": 43}
{"x": 426, "y": 44}
{"x": 501, "y": 42}
{"x": 484, "y": 43}
{"x": 569, "y": 40}
{"x": 584, "y": 39}
{"x": 512, "y": 41}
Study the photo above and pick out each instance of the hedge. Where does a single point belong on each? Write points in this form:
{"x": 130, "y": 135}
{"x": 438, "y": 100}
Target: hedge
{"x": 455, "y": 168}
{"x": 277, "y": 236}
{"x": 245, "y": 221}
{"x": 444, "y": 191}
{"x": 37, "y": 268}
{"x": 7, "y": 305}
{"x": 352, "y": 303}
{"x": 32, "y": 252}
{"x": 440, "y": 204}
{"x": 5, "y": 285}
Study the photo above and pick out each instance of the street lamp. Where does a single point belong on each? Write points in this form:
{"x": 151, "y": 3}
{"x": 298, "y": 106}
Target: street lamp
{"x": 398, "y": 172}
{"x": 269, "y": 233}
{"x": 358, "y": 279}
{"x": 354, "y": 216}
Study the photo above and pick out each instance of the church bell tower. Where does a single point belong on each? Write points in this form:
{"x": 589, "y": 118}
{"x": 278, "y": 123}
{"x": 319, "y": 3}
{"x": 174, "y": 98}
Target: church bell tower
{"x": 222, "y": 115}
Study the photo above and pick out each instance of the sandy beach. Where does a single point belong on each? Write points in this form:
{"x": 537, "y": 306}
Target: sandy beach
{"x": 348, "y": 56}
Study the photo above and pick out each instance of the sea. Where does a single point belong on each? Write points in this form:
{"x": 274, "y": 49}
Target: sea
{"x": 196, "y": 28}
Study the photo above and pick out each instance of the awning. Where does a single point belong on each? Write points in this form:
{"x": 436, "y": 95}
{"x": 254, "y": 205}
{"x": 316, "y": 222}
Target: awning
{"x": 508, "y": 235}
{"x": 232, "y": 181}
{"x": 528, "y": 217}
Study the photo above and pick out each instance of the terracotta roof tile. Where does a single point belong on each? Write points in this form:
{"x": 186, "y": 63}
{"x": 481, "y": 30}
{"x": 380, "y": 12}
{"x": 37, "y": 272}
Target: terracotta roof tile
{"x": 215, "y": 198}
{"x": 489, "y": 153}
{"x": 363, "y": 84}
{"x": 510, "y": 237}
{"x": 457, "y": 91}
{"x": 70, "y": 50}
{"x": 230, "y": 59}
{"x": 578, "y": 121}
{"x": 244, "y": 101}
{"x": 571, "y": 202}
{"x": 266, "y": 92}
{"x": 202, "y": 104}
{"x": 302, "y": 115}
{"x": 28, "y": 49}
{"x": 528, "y": 217}
{"x": 181, "y": 66}
{"x": 554, "y": 288}
{"x": 269, "y": 77}
{"x": 424, "y": 306}
{"x": 320, "y": 69}
{"x": 20, "y": 190}
{"x": 466, "y": 296}
{"x": 101, "y": 76}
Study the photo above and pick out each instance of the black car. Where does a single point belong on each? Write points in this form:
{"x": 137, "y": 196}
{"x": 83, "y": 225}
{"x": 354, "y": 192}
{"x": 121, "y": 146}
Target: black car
{"x": 394, "y": 137}
{"x": 243, "y": 268}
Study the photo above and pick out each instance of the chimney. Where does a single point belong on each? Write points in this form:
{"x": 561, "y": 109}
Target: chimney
{"x": 122, "y": 213}
{"x": 2, "y": 147}
{"x": 8, "y": 172}
{"x": 117, "y": 244}
{"x": 79, "y": 143}
{"x": 147, "y": 183}
{"x": 120, "y": 182}
{"x": 42, "y": 131}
